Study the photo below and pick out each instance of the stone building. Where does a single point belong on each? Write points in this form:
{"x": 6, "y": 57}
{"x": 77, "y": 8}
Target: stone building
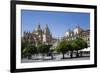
{"x": 78, "y": 32}
{"x": 38, "y": 36}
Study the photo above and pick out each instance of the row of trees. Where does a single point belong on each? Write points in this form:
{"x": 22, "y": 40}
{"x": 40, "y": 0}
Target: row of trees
{"x": 72, "y": 45}
{"x": 29, "y": 49}
{"x": 63, "y": 47}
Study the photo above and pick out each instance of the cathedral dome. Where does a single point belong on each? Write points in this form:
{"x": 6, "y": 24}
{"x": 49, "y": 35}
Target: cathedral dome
{"x": 38, "y": 28}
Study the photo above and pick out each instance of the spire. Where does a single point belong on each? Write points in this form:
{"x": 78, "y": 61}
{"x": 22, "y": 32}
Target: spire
{"x": 46, "y": 29}
{"x": 46, "y": 26}
{"x": 77, "y": 26}
{"x": 38, "y": 27}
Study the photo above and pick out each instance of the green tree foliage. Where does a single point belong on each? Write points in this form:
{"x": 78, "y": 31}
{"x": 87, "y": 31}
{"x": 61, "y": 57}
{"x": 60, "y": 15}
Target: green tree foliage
{"x": 43, "y": 49}
{"x": 79, "y": 44}
{"x": 62, "y": 47}
{"x": 32, "y": 49}
{"x": 75, "y": 46}
{"x": 23, "y": 48}
{"x": 29, "y": 50}
{"x": 70, "y": 46}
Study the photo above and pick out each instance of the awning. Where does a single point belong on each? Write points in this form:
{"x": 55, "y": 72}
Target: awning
{"x": 86, "y": 49}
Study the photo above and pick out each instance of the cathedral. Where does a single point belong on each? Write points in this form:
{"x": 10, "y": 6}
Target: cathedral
{"x": 44, "y": 36}
{"x": 38, "y": 36}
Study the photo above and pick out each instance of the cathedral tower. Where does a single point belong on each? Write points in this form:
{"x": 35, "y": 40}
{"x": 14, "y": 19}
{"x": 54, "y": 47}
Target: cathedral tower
{"x": 38, "y": 32}
{"x": 47, "y": 35}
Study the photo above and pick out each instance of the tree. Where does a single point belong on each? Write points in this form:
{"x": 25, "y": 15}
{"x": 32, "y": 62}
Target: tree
{"x": 23, "y": 48}
{"x": 79, "y": 44}
{"x": 62, "y": 47}
{"x": 29, "y": 50}
{"x": 75, "y": 45}
{"x": 43, "y": 49}
{"x": 32, "y": 49}
{"x": 51, "y": 53}
{"x": 70, "y": 47}
{"x": 83, "y": 44}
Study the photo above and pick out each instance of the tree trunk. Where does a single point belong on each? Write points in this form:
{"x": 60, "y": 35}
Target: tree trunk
{"x": 81, "y": 54}
{"x": 77, "y": 55}
{"x": 42, "y": 56}
{"x": 71, "y": 54}
{"x": 29, "y": 56}
{"x": 52, "y": 56}
{"x": 63, "y": 55}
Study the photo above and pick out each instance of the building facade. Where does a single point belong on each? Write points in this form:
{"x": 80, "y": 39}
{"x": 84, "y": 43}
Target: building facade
{"x": 78, "y": 32}
{"x": 38, "y": 36}
{"x": 44, "y": 36}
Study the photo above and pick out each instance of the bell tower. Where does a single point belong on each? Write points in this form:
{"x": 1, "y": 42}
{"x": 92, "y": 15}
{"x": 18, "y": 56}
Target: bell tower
{"x": 47, "y": 37}
{"x": 38, "y": 33}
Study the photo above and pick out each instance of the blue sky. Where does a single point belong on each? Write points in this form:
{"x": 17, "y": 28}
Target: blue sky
{"x": 58, "y": 22}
